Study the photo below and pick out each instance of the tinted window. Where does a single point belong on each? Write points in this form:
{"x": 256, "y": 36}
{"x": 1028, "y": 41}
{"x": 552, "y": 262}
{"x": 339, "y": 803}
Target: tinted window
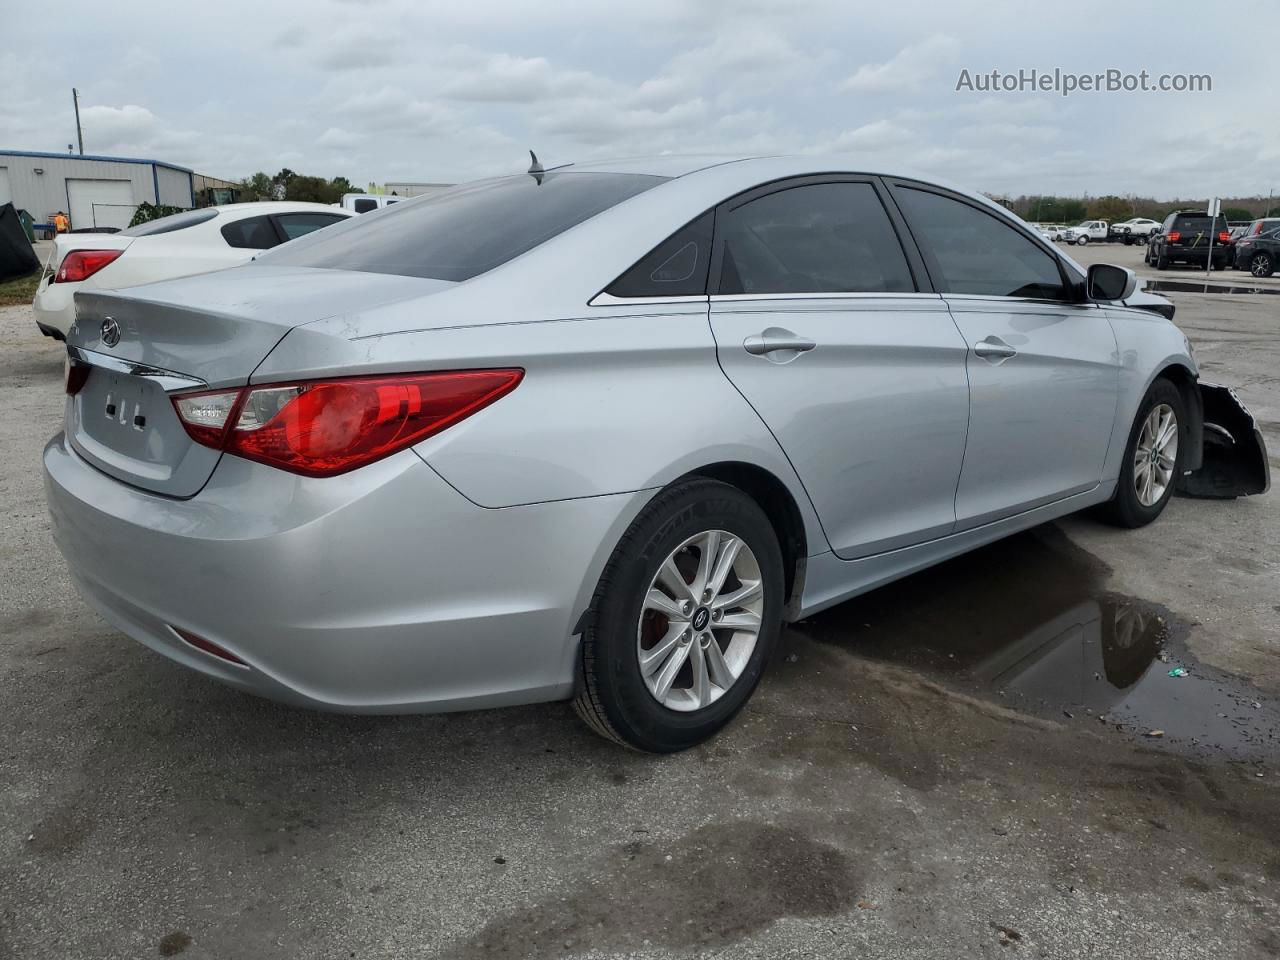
{"x": 465, "y": 231}
{"x": 822, "y": 238}
{"x": 977, "y": 253}
{"x": 677, "y": 267}
{"x": 252, "y": 233}
{"x": 179, "y": 221}
{"x": 297, "y": 225}
{"x": 1197, "y": 223}
{"x": 364, "y": 205}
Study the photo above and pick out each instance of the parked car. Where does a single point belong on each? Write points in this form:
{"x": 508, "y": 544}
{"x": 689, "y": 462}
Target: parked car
{"x": 1137, "y": 230}
{"x": 1187, "y": 237}
{"x": 1050, "y": 231}
{"x": 1259, "y": 254}
{"x": 367, "y": 202}
{"x": 195, "y": 241}
{"x": 596, "y": 433}
{"x": 1082, "y": 233}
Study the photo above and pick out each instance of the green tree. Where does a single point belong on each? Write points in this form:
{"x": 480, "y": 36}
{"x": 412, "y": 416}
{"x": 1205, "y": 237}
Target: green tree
{"x": 257, "y": 187}
{"x": 1236, "y": 213}
{"x": 1114, "y": 209}
{"x": 342, "y": 185}
{"x": 312, "y": 189}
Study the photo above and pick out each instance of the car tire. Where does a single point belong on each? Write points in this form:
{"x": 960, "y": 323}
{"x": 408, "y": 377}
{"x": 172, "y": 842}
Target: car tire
{"x": 1081, "y": 241}
{"x": 1162, "y": 262}
{"x": 1145, "y": 485}
{"x": 1262, "y": 265}
{"x": 624, "y": 700}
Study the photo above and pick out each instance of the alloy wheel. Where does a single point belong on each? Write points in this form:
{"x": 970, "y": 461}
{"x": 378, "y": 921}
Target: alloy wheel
{"x": 700, "y": 620}
{"x": 1260, "y": 265}
{"x": 1155, "y": 455}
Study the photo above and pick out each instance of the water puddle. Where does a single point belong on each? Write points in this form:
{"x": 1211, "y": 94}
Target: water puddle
{"x": 1027, "y": 622}
{"x": 1195, "y": 286}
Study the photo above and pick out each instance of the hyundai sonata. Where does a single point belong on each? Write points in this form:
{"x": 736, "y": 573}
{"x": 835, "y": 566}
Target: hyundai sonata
{"x": 595, "y": 433}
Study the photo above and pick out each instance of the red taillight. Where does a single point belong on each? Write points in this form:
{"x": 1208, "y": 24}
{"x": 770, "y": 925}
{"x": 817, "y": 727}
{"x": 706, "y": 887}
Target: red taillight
{"x": 1174, "y": 236}
{"x": 81, "y": 264}
{"x": 1223, "y": 236}
{"x": 325, "y": 427}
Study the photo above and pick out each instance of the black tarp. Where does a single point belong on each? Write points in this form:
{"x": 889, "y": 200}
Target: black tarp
{"x": 17, "y": 259}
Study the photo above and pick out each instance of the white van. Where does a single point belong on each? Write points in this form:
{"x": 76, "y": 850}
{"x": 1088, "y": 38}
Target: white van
{"x": 365, "y": 202}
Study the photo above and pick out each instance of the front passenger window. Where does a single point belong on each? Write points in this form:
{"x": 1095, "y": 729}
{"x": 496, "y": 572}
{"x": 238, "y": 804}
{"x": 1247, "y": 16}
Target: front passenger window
{"x": 977, "y": 253}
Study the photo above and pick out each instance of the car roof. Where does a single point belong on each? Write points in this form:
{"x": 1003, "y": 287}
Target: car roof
{"x": 278, "y": 206}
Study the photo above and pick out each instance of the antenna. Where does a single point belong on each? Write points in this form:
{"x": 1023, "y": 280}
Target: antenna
{"x": 535, "y": 168}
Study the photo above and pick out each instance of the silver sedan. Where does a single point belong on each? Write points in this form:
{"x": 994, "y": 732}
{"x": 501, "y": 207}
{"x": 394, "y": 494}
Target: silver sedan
{"x": 595, "y": 433}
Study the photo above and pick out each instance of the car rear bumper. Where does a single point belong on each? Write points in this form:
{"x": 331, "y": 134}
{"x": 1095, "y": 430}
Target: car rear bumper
{"x": 383, "y": 590}
{"x": 55, "y": 308}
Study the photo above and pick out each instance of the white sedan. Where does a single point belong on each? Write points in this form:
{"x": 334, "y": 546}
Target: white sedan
{"x": 195, "y": 241}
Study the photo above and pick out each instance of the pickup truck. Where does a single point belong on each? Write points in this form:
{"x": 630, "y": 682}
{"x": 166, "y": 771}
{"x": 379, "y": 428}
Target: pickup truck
{"x": 1082, "y": 233}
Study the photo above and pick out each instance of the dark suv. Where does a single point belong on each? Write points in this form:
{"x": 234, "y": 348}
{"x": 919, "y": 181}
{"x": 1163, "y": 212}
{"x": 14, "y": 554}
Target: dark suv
{"x": 1259, "y": 254}
{"x": 1263, "y": 225}
{"x": 1185, "y": 237}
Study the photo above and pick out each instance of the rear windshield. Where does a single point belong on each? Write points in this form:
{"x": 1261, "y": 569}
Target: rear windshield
{"x": 465, "y": 231}
{"x": 1195, "y": 224}
{"x": 179, "y": 221}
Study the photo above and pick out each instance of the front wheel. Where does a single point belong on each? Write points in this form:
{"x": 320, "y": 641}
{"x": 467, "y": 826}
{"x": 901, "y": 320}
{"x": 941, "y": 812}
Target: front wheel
{"x": 1081, "y": 241}
{"x": 1261, "y": 265}
{"x": 683, "y": 621}
{"x": 1152, "y": 459}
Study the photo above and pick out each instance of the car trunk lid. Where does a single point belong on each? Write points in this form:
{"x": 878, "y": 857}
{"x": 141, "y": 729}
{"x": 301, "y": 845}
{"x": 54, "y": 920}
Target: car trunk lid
{"x": 140, "y": 346}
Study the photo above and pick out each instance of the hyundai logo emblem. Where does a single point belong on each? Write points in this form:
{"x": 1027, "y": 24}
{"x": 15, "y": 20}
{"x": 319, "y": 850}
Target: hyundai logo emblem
{"x": 110, "y": 332}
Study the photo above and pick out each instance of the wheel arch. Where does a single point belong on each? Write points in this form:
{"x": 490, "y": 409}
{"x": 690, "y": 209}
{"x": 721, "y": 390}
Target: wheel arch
{"x": 1182, "y": 377}
{"x": 782, "y": 509}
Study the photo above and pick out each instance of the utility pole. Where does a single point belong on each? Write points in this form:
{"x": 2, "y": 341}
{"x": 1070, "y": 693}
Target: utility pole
{"x": 75, "y": 99}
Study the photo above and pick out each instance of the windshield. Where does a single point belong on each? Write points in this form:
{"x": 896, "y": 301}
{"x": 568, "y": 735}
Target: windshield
{"x": 466, "y": 231}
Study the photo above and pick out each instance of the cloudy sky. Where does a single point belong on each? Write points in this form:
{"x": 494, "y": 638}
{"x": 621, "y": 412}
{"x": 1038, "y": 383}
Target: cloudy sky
{"x": 418, "y": 90}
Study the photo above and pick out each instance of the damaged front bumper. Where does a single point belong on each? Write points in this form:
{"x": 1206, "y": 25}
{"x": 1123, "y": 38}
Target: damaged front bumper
{"x": 1234, "y": 462}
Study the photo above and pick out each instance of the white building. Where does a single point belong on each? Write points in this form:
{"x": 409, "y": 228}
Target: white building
{"x": 93, "y": 191}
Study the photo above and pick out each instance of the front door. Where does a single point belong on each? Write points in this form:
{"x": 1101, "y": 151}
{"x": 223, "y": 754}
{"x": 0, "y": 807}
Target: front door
{"x": 819, "y": 323}
{"x": 1043, "y": 368}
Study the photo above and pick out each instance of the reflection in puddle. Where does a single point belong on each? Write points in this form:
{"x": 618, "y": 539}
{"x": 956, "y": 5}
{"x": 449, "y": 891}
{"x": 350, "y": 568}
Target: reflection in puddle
{"x": 1193, "y": 286}
{"x": 1028, "y": 619}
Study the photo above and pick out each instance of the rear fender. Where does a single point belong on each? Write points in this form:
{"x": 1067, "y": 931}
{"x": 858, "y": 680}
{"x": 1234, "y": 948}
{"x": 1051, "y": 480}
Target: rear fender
{"x": 1234, "y": 460}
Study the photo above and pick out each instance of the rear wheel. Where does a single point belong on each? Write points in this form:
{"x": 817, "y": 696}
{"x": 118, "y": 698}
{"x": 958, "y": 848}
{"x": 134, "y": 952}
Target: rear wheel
{"x": 1162, "y": 261}
{"x": 1152, "y": 459}
{"x": 684, "y": 619}
{"x": 1261, "y": 265}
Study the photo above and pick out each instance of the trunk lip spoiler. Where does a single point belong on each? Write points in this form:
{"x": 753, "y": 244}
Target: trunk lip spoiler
{"x": 167, "y": 380}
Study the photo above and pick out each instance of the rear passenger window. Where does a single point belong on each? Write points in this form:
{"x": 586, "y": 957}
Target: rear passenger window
{"x": 300, "y": 224}
{"x": 364, "y": 205}
{"x": 979, "y": 254}
{"x": 252, "y": 233}
{"x": 677, "y": 267}
{"x": 819, "y": 238}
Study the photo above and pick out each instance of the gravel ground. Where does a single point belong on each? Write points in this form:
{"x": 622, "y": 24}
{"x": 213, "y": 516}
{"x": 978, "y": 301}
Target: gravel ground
{"x": 923, "y": 772}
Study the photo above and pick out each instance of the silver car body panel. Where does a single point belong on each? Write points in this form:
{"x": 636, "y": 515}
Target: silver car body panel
{"x": 467, "y": 561}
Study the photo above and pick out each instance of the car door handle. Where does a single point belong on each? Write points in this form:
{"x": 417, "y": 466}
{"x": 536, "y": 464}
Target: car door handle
{"x": 775, "y": 339}
{"x": 994, "y": 349}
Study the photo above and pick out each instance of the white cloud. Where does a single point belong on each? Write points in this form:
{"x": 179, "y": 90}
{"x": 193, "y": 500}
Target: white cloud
{"x": 906, "y": 70}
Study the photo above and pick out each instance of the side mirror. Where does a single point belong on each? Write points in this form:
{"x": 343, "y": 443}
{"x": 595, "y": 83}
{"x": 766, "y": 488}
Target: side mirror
{"x": 1109, "y": 282}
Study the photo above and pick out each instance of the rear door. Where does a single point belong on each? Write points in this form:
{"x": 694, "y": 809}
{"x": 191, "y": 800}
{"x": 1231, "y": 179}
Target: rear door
{"x": 1043, "y": 368}
{"x": 822, "y": 323}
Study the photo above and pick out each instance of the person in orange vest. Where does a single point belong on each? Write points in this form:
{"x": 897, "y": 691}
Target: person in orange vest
{"x": 60, "y": 222}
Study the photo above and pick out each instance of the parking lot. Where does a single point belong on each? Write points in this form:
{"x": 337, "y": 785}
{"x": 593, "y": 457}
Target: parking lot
{"x": 958, "y": 765}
